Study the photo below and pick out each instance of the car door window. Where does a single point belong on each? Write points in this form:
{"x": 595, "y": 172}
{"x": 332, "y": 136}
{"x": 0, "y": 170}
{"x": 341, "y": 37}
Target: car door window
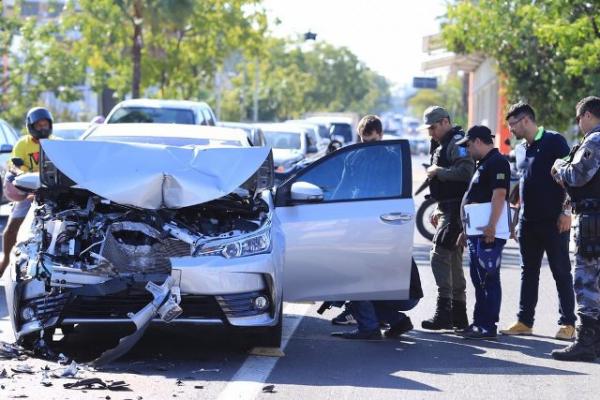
{"x": 311, "y": 142}
{"x": 360, "y": 172}
{"x": 208, "y": 117}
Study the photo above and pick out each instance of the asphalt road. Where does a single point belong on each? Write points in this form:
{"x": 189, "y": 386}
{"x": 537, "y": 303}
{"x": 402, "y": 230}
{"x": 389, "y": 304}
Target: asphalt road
{"x": 192, "y": 363}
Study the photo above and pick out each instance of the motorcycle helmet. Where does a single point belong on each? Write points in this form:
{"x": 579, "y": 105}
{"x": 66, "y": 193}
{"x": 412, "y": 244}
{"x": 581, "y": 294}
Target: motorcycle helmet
{"x": 34, "y": 115}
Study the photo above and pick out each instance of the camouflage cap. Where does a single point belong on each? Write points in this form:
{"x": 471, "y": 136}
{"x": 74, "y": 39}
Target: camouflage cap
{"x": 432, "y": 115}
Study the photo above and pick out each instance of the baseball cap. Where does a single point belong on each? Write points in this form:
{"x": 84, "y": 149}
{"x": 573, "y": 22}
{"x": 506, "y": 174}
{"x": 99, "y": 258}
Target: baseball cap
{"x": 432, "y": 115}
{"x": 474, "y": 132}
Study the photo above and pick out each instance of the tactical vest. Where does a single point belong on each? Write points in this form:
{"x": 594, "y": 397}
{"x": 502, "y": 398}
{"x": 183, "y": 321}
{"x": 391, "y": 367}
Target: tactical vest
{"x": 448, "y": 190}
{"x": 590, "y": 190}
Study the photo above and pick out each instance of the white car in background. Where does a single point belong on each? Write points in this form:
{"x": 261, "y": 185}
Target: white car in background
{"x": 162, "y": 112}
{"x": 8, "y": 139}
{"x": 142, "y": 224}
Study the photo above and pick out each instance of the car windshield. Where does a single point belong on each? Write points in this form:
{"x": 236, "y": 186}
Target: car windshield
{"x": 68, "y": 133}
{"x": 343, "y": 130}
{"x": 169, "y": 141}
{"x": 283, "y": 140}
{"x": 152, "y": 115}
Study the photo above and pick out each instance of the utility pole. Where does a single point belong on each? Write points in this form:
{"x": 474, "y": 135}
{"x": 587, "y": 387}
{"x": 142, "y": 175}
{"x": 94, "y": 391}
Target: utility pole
{"x": 256, "y": 88}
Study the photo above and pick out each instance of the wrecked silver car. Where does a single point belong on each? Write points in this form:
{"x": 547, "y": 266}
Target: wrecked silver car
{"x": 140, "y": 224}
{"x": 112, "y": 238}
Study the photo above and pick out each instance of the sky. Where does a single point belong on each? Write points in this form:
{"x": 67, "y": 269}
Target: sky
{"x": 385, "y": 34}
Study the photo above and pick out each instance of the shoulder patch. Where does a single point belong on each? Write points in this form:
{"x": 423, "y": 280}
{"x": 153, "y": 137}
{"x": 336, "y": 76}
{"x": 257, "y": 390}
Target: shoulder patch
{"x": 458, "y": 137}
{"x": 462, "y": 152}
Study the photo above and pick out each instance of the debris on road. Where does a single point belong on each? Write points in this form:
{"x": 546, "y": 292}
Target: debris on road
{"x": 97, "y": 383}
{"x": 269, "y": 389}
{"x": 10, "y": 350}
{"x": 22, "y": 369}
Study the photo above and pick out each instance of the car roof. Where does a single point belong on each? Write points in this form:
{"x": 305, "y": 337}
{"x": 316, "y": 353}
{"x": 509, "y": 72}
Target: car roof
{"x": 159, "y": 103}
{"x": 282, "y": 127}
{"x": 170, "y": 130}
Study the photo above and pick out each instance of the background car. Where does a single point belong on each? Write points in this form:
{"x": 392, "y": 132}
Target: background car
{"x": 8, "y": 138}
{"x": 255, "y": 134}
{"x": 291, "y": 144}
{"x": 162, "y": 111}
{"x": 69, "y": 130}
{"x": 322, "y": 128}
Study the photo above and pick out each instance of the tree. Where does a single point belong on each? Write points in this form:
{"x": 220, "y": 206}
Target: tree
{"x": 547, "y": 50}
{"x": 174, "y": 46}
{"x": 294, "y": 81}
{"x": 39, "y": 60}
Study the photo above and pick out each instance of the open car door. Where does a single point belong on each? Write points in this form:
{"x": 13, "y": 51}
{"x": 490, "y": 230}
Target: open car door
{"x": 348, "y": 221}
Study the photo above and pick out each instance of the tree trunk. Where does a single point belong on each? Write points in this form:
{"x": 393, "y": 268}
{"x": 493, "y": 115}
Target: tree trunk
{"x": 136, "y": 50}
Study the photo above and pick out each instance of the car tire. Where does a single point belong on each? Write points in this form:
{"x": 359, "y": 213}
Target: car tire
{"x": 423, "y": 213}
{"x": 270, "y": 336}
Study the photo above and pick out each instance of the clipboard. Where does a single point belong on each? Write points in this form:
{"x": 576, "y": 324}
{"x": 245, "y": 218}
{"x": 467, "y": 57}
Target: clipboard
{"x": 478, "y": 215}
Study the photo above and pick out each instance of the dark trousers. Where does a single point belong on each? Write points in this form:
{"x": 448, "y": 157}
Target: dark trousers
{"x": 535, "y": 238}
{"x": 368, "y": 314}
{"x": 486, "y": 281}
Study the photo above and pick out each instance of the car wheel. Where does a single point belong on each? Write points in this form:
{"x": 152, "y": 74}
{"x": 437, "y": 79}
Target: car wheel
{"x": 423, "y": 213}
{"x": 270, "y": 336}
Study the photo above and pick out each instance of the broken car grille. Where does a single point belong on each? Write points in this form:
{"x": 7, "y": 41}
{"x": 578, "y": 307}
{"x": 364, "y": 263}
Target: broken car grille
{"x": 119, "y": 305}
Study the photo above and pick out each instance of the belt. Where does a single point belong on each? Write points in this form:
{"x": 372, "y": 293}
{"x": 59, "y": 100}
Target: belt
{"x": 587, "y": 205}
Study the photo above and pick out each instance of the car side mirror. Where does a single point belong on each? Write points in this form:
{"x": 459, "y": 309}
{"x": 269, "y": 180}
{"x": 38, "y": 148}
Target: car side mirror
{"x": 29, "y": 181}
{"x": 306, "y": 192}
{"x": 6, "y": 148}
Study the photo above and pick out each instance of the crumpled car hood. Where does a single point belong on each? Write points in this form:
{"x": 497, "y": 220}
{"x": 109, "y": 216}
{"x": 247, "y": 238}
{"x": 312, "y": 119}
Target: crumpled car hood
{"x": 154, "y": 176}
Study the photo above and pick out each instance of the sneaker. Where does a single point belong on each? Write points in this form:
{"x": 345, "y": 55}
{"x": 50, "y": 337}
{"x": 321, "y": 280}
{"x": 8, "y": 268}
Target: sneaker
{"x": 565, "y": 332}
{"x": 345, "y": 318}
{"x": 478, "y": 333}
{"x": 405, "y": 325}
{"x": 356, "y": 334}
{"x": 518, "y": 328}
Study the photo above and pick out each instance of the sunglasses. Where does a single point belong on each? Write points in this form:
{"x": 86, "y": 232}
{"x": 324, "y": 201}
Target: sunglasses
{"x": 578, "y": 118}
{"x": 514, "y": 123}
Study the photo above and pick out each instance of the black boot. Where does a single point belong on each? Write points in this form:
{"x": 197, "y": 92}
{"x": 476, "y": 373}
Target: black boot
{"x": 442, "y": 318}
{"x": 460, "y": 321}
{"x": 585, "y": 345}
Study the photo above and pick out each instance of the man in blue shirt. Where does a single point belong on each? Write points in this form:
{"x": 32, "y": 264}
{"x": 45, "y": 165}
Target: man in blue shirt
{"x": 490, "y": 184}
{"x": 544, "y": 221}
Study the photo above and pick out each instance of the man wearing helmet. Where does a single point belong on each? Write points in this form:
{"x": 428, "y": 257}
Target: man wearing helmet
{"x": 25, "y": 157}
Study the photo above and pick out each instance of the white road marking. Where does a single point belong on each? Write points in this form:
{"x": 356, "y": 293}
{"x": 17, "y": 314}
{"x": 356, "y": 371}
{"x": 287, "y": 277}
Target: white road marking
{"x": 248, "y": 381}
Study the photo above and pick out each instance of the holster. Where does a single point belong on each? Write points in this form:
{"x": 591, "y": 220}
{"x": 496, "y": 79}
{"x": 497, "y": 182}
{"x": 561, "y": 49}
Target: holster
{"x": 587, "y": 237}
{"x": 446, "y": 235}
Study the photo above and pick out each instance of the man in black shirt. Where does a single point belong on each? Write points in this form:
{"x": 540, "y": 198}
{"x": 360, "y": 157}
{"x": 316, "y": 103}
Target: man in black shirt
{"x": 490, "y": 184}
{"x": 544, "y": 223}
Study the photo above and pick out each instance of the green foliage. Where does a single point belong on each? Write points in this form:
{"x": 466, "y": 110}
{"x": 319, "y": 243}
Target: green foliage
{"x": 547, "y": 50}
{"x": 175, "y": 49}
{"x": 41, "y": 62}
{"x": 449, "y": 95}
{"x": 294, "y": 81}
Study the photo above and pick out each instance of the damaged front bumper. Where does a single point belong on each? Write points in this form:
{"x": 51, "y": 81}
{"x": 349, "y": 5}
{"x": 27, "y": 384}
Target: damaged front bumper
{"x": 240, "y": 292}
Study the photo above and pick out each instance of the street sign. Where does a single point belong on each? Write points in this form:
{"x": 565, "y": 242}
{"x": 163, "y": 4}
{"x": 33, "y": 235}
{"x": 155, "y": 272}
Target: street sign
{"x": 424, "y": 83}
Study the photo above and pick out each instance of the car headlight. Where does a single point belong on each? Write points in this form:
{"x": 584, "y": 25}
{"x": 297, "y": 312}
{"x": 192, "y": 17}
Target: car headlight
{"x": 255, "y": 243}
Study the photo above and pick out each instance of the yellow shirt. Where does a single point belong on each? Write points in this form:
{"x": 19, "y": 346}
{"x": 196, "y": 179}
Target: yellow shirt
{"x": 28, "y": 151}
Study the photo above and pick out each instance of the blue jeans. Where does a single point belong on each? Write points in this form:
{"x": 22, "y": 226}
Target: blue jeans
{"x": 535, "y": 238}
{"x": 488, "y": 292}
{"x": 369, "y": 314}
